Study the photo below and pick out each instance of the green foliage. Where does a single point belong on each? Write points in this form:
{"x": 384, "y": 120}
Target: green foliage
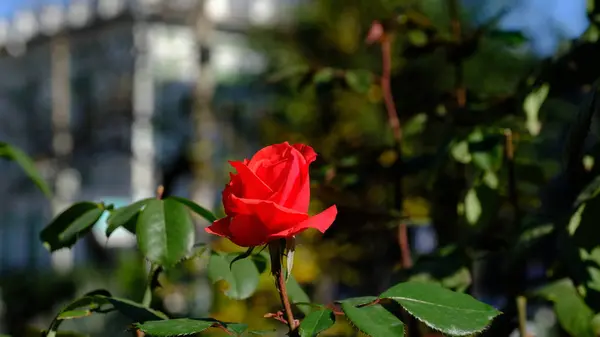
{"x": 316, "y": 322}
{"x": 573, "y": 314}
{"x": 165, "y": 232}
{"x": 71, "y": 224}
{"x": 194, "y": 207}
{"x": 374, "y": 320}
{"x": 241, "y": 277}
{"x": 10, "y": 152}
{"x": 125, "y": 217}
{"x": 450, "y": 312}
{"x": 186, "y": 327}
{"x": 101, "y": 301}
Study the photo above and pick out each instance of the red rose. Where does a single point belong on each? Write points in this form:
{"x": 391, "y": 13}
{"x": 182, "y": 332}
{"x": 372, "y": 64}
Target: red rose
{"x": 268, "y": 197}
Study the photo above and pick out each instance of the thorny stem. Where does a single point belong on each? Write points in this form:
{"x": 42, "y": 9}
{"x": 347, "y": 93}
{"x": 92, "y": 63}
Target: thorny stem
{"x": 275, "y": 250}
{"x": 393, "y": 120}
{"x": 281, "y": 288}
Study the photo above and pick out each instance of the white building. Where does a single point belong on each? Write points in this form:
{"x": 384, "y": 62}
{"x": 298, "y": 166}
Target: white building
{"x": 131, "y": 66}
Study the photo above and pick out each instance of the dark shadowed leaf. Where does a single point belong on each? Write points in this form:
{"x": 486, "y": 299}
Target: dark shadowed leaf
{"x": 573, "y": 314}
{"x": 12, "y": 153}
{"x": 125, "y": 216}
{"x": 374, "y": 320}
{"x": 165, "y": 232}
{"x": 241, "y": 278}
{"x": 512, "y": 38}
{"x": 194, "y": 207}
{"x": 580, "y": 129}
{"x": 450, "y": 312}
{"x": 69, "y": 225}
{"x": 135, "y": 311}
{"x": 359, "y": 80}
{"x": 316, "y": 322}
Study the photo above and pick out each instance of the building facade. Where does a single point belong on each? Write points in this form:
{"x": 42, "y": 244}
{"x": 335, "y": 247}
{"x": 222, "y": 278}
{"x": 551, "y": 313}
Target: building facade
{"x": 99, "y": 93}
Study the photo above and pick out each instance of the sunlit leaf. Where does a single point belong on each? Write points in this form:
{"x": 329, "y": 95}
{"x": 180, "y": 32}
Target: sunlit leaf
{"x": 532, "y": 105}
{"x": 573, "y": 314}
{"x": 452, "y": 313}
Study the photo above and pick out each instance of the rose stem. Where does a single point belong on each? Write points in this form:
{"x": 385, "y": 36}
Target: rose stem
{"x": 275, "y": 252}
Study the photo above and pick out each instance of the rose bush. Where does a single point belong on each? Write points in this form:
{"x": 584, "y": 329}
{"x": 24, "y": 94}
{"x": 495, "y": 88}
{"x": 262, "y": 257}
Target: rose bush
{"x": 266, "y": 202}
{"x": 268, "y": 198}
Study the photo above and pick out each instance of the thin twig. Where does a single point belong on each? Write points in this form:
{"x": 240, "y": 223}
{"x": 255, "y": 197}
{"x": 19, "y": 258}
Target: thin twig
{"x": 457, "y": 35}
{"x": 377, "y": 33}
{"x": 522, "y": 313}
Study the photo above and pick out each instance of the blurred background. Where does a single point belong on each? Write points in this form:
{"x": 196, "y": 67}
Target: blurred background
{"x": 112, "y": 98}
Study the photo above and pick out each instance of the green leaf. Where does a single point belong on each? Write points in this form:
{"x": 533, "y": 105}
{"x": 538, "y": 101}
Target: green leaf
{"x": 72, "y": 223}
{"x": 359, "y": 80}
{"x": 194, "y": 207}
{"x": 242, "y": 278}
{"x": 532, "y": 104}
{"x": 12, "y": 153}
{"x": 87, "y": 303}
{"x": 481, "y": 205}
{"x": 135, "y": 311}
{"x": 297, "y": 295}
{"x": 486, "y": 149}
{"x": 165, "y": 232}
{"x": 316, "y": 322}
{"x": 125, "y": 216}
{"x": 374, "y": 320}
{"x": 186, "y": 326}
{"x": 73, "y": 314}
{"x": 585, "y": 250}
{"x": 573, "y": 314}
{"x": 358, "y": 300}
{"x": 450, "y": 312}
{"x": 323, "y": 75}
{"x": 589, "y": 192}
{"x": 460, "y": 152}
{"x": 261, "y": 261}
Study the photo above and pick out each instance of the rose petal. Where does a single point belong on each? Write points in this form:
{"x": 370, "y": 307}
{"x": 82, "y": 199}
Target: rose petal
{"x": 247, "y": 231}
{"x": 252, "y": 186}
{"x": 219, "y": 227}
{"x": 320, "y": 222}
{"x": 308, "y": 152}
{"x": 272, "y": 216}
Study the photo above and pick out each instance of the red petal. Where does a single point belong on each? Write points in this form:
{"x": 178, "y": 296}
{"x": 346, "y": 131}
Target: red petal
{"x": 220, "y": 227}
{"x": 247, "y": 231}
{"x": 252, "y": 186}
{"x": 272, "y": 216}
{"x": 320, "y": 222}
{"x": 308, "y": 152}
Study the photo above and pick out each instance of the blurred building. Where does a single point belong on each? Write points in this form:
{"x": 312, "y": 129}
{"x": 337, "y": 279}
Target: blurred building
{"x": 99, "y": 92}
